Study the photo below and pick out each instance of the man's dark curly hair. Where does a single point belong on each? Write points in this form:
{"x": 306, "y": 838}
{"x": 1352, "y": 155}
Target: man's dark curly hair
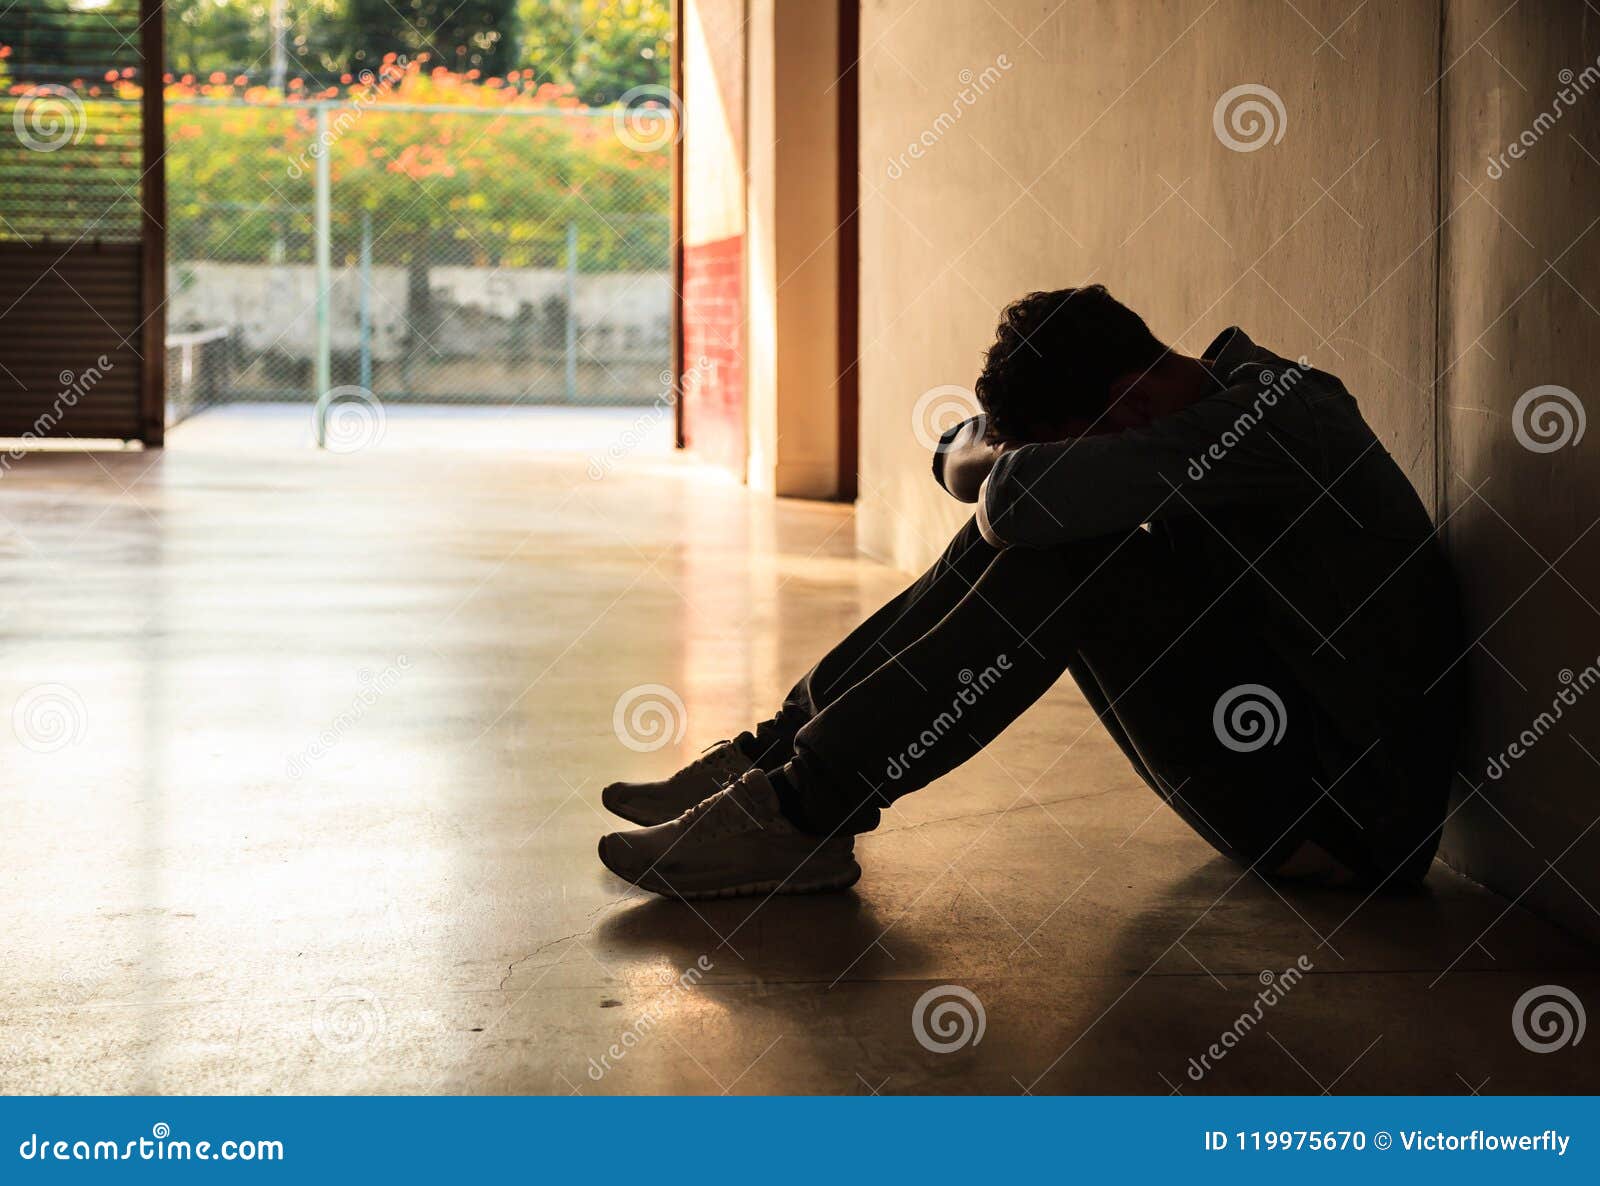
{"x": 1054, "y": 358}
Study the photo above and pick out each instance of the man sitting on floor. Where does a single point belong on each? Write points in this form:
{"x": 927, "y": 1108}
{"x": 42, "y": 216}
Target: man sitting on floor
{"x": 1240, "y": 579}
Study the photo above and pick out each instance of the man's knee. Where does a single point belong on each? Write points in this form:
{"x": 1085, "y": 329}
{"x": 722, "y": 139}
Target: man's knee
{"x": 967, "y": 553}
{"x": 1078, "y": 585}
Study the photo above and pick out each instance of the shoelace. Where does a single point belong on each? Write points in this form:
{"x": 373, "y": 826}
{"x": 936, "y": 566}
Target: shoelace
{"x": 718, "y": 815}
{"x": 723, "y": 761}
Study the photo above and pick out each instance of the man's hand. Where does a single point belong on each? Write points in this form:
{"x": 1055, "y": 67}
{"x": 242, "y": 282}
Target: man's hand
{"x": 963, "y": 459}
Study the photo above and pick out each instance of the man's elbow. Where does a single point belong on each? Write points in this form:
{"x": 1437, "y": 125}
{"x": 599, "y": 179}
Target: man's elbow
{"x": 1011, "y": 517}
{"x": 985, "y": 528}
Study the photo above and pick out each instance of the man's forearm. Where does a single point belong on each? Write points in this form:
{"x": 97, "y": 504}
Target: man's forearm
{"x": 963, "y": 459}
{"x": 965, "y": 471}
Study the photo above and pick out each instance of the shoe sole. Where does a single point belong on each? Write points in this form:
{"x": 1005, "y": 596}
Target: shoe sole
{"x": 744, "y": 890}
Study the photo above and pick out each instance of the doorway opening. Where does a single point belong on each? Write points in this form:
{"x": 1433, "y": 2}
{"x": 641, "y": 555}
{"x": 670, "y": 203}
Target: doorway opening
{"x": 456, "y": 220}
{"x": 458, "y": 216}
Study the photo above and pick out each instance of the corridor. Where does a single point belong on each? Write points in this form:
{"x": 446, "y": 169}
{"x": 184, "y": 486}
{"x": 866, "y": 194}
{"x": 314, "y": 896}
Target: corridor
{"x": 302, "y": 782}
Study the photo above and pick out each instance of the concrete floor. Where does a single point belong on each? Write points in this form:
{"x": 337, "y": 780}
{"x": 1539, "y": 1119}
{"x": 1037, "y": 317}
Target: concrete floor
{"x": 302, "y": 790}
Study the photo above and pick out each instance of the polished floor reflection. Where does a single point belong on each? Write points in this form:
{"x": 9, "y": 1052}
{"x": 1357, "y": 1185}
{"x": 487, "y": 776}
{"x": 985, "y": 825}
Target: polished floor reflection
{"x": 301, "y": 784}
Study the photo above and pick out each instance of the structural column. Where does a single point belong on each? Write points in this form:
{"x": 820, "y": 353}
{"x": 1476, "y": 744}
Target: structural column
{"x": 793, "y": 267}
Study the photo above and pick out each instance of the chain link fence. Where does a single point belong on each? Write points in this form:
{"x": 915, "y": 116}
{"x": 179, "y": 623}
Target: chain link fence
{"x": 438, "y": 253}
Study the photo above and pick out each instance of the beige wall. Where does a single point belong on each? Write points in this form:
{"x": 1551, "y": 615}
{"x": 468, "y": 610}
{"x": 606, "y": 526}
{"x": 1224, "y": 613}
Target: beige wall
{"x": 1375, "y": 237}
{"x": 1521, "y": 300}
{"x": 1092, "y": 158}
{"x": 793, "y": 276}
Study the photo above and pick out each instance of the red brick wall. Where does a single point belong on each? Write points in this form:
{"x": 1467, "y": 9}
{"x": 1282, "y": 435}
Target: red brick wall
{"x": 713, "y": 315}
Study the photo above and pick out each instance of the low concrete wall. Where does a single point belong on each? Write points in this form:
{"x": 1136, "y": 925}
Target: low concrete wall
{"x": 623, "y": 316}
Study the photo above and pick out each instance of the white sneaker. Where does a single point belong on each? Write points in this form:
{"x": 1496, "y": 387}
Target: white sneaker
{"x": 650, "y": 803}
{"x": 734, "y": 843}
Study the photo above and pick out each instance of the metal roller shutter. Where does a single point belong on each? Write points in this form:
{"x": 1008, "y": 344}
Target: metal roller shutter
{"x": 80, "y": 241}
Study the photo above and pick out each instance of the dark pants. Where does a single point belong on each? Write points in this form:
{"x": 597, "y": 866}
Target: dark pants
{"x": 938, "y": 672}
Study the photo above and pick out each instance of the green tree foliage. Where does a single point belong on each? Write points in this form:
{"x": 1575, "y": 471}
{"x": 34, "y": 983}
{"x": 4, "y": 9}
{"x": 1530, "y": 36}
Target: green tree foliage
{"x": 601, "y": 48}
{"x": 470, "y": 35}
{"x": 235, "y": 37}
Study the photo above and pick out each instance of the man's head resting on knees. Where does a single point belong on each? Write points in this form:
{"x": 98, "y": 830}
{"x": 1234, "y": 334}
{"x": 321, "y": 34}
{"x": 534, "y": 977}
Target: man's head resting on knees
{"x": 1078, "y": 361}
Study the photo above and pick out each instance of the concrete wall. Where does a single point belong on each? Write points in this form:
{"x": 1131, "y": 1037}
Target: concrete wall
{"x": 1019, "y": 145}
{"x": 273, "y": 307}
{"x": 1090, "y": 155}
{"x": 1520, "y": 284}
